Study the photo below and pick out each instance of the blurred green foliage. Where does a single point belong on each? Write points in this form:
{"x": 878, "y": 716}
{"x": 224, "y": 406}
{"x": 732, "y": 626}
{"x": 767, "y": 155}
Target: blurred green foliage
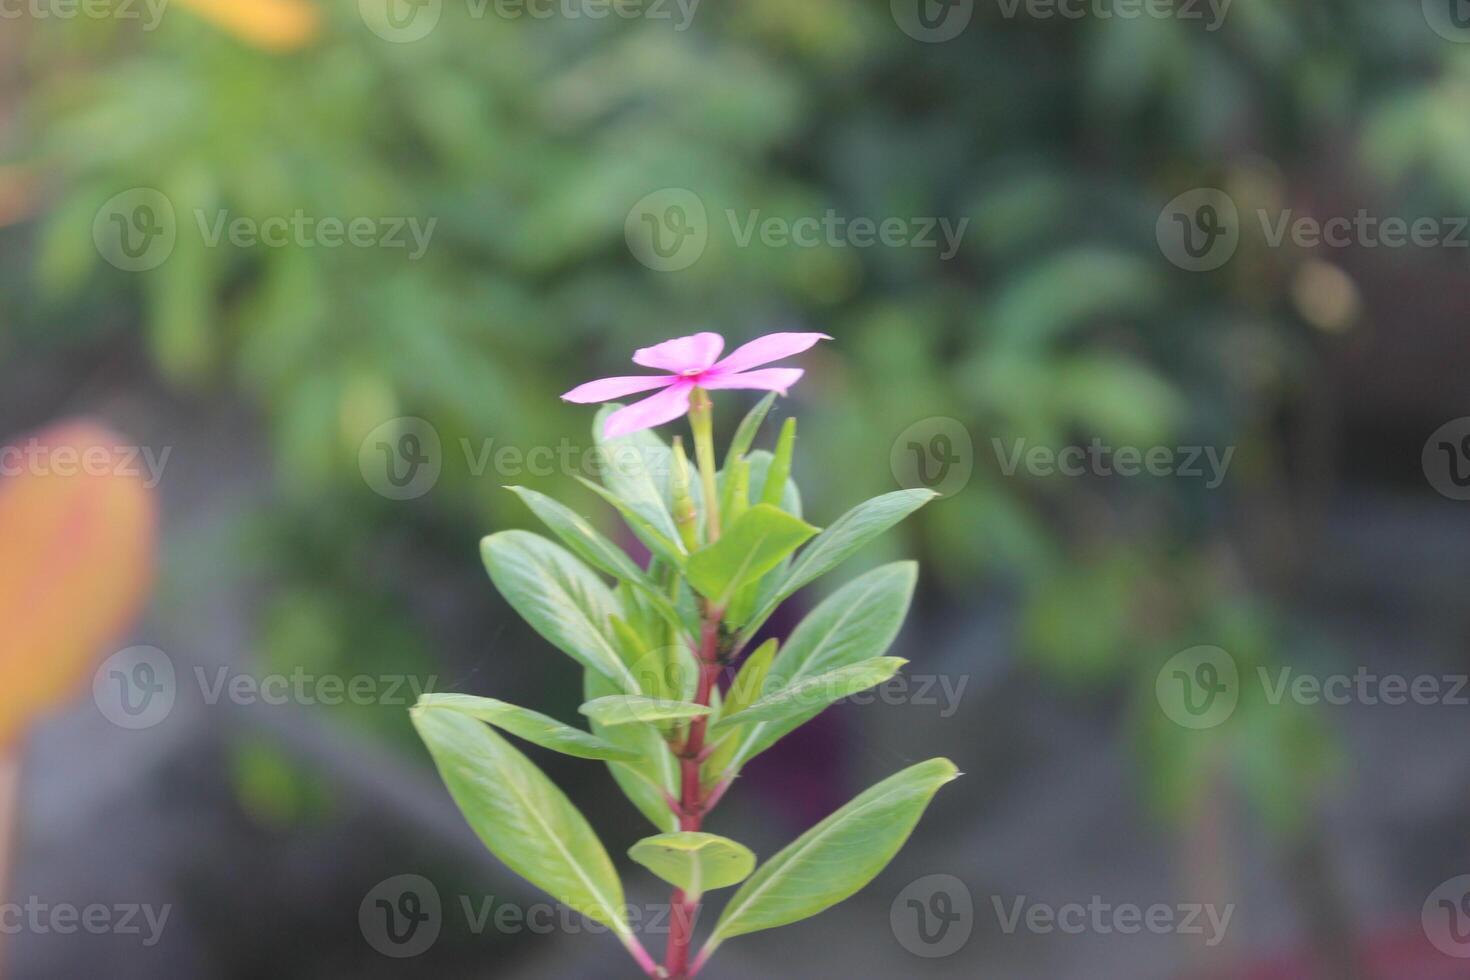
{"x": 529, "y": 141}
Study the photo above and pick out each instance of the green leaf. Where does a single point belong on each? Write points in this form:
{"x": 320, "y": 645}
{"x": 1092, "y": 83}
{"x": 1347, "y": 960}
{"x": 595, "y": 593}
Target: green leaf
{"x": 648, "y": 782}
{"x": 631, "y": 709}
{"x": 834, "y": 859}
{"x": 855, "y": 623}
{"x": 530, "y": 725}
{"x": 595, "y": 549}
{"x": 635, "y": 469}
{"x": 522, "y": 817}
{"x": 837, "y": 543}
{"x": 745, "y": 434}
{"x": 749, "y": 684}
{"x": 695, "y": 862}
{"x": 751, "y": 546}
{"x": 649, "y": 534}
{"x": 561, "y": 598}
{"x": 774, "y": 488}
{"x": 808, "y": 697}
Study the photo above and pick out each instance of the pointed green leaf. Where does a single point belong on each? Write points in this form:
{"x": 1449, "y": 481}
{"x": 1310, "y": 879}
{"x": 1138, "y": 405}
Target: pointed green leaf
{"x": 837, "y": 543}
{"x": 595, "y": 549}
{"x": 808, "y": 697}
{"x": 855, "y": 623}
{"x": 560, "y": 597}
{"x": 649, "y": 534}
{"x": 745, "y": 434}
{"x": 532, "y": 726}
{"x": 749, "y": 684}
{"x": 648, "y": 782}
{"x": 774, "y": 487}
{"x": 751, "y": 546}
{"x": 695, "y": 862}
{"x": 634, "y": 709}
{"x": 834, "y": 859}
{"x": 635, "y": 469}
{"x": 522, "y": 817}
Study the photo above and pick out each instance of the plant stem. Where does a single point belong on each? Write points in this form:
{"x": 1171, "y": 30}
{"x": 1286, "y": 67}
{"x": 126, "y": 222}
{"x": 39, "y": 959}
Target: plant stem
{"x": 701, "y": 423}
{"x": 693, "y": 804}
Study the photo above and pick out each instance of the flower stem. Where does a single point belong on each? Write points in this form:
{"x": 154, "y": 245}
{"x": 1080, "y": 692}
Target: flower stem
{"x": 692, "y": 803}
{"x": 701, "y": 423}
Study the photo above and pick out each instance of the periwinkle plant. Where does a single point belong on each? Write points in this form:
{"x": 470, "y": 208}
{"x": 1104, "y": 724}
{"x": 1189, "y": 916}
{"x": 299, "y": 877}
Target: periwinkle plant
{"x": 727, "y": 549}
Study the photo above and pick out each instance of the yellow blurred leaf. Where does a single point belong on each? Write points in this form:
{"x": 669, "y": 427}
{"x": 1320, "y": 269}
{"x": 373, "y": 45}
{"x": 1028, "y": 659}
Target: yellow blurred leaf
{"x": 276, "y": 25}
{"x": 78, "y": 528}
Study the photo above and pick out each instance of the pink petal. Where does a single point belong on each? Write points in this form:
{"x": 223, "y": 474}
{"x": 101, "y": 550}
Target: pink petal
{"x": 657, "y": 409}
{"x": 606, "y": 389}
{"x": 767, "y": 379}
{"x": 771, "y": 347}
{"x": 693, "y": 353}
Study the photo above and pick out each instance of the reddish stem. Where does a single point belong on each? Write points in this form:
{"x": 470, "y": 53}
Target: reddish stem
{"x": 692, "y": 803}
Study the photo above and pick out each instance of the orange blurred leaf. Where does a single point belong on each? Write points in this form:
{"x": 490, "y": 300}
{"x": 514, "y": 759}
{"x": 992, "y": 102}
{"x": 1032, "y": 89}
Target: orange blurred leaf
{"x": 77, "y": 541}
{"x": 276, "y": 25}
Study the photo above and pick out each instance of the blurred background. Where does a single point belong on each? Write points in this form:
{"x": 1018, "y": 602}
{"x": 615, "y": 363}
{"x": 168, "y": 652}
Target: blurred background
{"x": 1168, "y": 298}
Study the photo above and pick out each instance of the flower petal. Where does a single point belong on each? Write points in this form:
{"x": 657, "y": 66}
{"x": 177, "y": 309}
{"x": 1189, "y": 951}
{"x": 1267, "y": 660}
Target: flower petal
{"x": 768, "y": 379}
{"x": 771, "y": 347}
{"x": 657, "y": 409}
{"x": 606, "y": 389}
{"x": 692, "y": 353}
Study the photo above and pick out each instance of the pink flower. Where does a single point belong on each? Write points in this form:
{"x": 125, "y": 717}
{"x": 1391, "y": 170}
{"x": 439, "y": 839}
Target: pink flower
{"x": 693, "y": 361}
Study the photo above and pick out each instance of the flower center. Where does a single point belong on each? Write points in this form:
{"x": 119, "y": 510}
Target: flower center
{"x": 691, "y": 373}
